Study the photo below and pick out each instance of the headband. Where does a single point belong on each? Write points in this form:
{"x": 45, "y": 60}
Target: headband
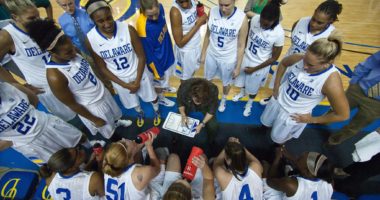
{"x": 96, "y": 5}
{"x": 54, "y": 42}
{"x": 126, "y": 151}
{"x": 314, "y": 162}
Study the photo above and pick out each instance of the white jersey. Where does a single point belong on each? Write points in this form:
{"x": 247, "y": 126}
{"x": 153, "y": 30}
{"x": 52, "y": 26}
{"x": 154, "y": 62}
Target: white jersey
{"x": 311, "y": 189}
{"x": 117, "y": 52}
{"x": 302, "y": 37}
{"x": 224, "y": 32}
{"x": 261, "y": 41}
{"x": 302, "y": 91}
{"x": 71, "y": 187}
{"x": 250, "y": 187}
{"x": 189, "y": 17}
{"x": 82, "y": 81}
{"x": 122, "y": 187}
{"x": 20, "y": 122}
{"x": 28, "y": 57}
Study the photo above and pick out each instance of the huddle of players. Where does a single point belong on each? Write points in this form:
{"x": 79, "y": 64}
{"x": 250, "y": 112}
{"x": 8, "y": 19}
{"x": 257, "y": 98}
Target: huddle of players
{"x": 225, "y": 53}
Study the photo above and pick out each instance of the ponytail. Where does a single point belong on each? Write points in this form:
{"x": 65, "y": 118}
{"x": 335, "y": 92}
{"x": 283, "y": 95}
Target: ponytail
{"x": 327, "y": 48}
{"x": 45, "y": 171}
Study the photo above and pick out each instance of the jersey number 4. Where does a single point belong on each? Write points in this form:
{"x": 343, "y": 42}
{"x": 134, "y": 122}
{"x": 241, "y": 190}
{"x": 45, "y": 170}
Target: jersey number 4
{"x": 245, "y": 194}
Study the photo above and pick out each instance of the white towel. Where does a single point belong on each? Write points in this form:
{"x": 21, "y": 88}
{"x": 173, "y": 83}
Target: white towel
{"x": 367, "y": 147}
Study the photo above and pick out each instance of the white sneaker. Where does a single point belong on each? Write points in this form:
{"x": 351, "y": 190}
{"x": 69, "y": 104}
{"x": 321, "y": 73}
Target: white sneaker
{"x": 247, "y": 109}
{"x": 170, "y": 89}
{"x": 237, "y": 97}
{"x": 264, "y": 101}
{"x": 166, "y": 102}
{"x": 123, "y": 122}
{"x": 222, "y": 105}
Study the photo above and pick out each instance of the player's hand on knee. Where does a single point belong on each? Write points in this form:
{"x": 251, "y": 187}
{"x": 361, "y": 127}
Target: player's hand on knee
{"x": 302, "y": 118}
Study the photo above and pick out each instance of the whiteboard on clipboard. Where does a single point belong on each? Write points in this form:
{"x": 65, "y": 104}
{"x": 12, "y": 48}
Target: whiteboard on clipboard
{"x": 173, "y": 123}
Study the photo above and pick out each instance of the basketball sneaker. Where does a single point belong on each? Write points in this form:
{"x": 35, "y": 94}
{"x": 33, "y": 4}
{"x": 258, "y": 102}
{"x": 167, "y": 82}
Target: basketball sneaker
{"x": 166, "y": 102}
{"x": 123, "y": 122}
{"x": 265, "y": 101}
{"x": 222, "y": 105}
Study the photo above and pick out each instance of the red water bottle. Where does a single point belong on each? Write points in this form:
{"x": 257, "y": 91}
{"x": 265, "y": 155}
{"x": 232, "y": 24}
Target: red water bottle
{"x": 191, "y": 169}
{"x": 200, "y": 9}
{"x": 144, "y": 136}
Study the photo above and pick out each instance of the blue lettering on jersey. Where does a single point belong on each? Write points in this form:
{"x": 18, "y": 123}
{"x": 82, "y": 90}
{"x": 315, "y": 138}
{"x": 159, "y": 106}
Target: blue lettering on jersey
{"x": 118, "y": 51}
{"x": 14, "y": 115}
{"x": 223, "y": 31}
{"x": 83, "y": 71}
{"x": 191, "y": 19}
{"x": 259, "y": 41}
{"x": 245, "y": 194}
{"x": 33, "y": 51}
{"x": 299, "y": 86}
{"x": 299, "y": 43}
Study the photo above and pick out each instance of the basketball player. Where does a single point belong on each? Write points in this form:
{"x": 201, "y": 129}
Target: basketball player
{"x": 312, "y": 77}
{"x": 313, "y": 182}
{"x": 308, "y": 29}
{"x": 185, "y": 29}
{"x": 15, "y": 41}
{"x": 72, "y": 81}
{"x": 265, "y": 41}
{"x": 122, "y": 177}
{"x": 119, "y": 54}
{"x": 153, "y": 31}
{"x": 65, "y": 179}
{"x": 175, "y": 187}
{"x": 224, "y": 43}
{"x": 238, "y": 172}
{"x": 33, "y": 133}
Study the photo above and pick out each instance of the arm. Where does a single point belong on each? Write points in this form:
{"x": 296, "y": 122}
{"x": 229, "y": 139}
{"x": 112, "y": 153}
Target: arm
{"x": 220, "y": 173}
{"x": 4, "y": 144}
{"x": 96, "y": 187}
{"x": 286, "y": 62}
{"x": 276, "y": 52}
{"x": 254, "y": 163}
{"x": 176, "y": 23}
{"x": 206, "y": 42}
{"x": 59, "y": 86}
{"x": 333, "y": 89}
{"x": 33, "y": 99}
{"x": 137, "y": 46}
{"x": 288, "y": 185}
{"x": 7, "y": 46}
{"x": 142, "y": 175}
{"x": 362, "y": 69}
{"x": 242, "y": 39}
{"x": 151, "y": 60}
{"x": 248, "y": 9}
{"x": 208, "y": 178}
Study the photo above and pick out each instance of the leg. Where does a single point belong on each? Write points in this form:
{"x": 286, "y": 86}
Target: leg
{"x": 173, "y": 164}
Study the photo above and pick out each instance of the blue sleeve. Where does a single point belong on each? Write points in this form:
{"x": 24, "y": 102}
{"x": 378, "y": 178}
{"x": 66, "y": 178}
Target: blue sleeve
{"x": 151, "y": 60}
{"x": 363, "y": 68}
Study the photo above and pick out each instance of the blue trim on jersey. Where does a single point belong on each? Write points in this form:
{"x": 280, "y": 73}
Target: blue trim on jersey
{"x": 308, "y": 29}
{"x": 221, "y": 14}
{"x": 103, "y": 36}
{"x": 310, "y": 179}
{"x": 323, "y": 71}
{"x": 19, "y": 29}
{"x": 67, "y": 177}
{"x": 54, "y": 63}
{"x": 232, "y": 13}
{"x": 128, "y": 167}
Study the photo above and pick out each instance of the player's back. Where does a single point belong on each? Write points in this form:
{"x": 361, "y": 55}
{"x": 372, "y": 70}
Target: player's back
{"x": 250, "y": 186}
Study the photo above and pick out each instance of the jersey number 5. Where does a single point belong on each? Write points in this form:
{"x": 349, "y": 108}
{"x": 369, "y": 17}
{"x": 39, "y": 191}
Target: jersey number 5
{"x": 114, "y": 191}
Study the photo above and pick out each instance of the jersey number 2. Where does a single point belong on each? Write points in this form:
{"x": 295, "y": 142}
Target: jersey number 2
{"x": 245, "y": 194}
{"x": 24, "y": 126}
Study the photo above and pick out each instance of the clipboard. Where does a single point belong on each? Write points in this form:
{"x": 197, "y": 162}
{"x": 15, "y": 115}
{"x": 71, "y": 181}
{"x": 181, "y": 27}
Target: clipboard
{"x": 173, "y": 122}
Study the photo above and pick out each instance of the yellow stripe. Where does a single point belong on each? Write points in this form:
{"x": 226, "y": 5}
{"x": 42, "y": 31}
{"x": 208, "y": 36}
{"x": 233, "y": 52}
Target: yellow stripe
{"x": 153, "y": 68}
{"x": 141, "y": 25}
{"x": 178, "y": 67}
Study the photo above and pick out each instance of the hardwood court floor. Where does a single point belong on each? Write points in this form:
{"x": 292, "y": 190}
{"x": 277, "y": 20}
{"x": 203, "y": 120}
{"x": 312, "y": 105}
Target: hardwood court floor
{"x": 359, "y": 23}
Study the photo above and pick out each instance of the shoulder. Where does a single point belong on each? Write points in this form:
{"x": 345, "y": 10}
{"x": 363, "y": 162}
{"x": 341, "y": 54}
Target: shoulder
{"x": 5, "y": 38}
